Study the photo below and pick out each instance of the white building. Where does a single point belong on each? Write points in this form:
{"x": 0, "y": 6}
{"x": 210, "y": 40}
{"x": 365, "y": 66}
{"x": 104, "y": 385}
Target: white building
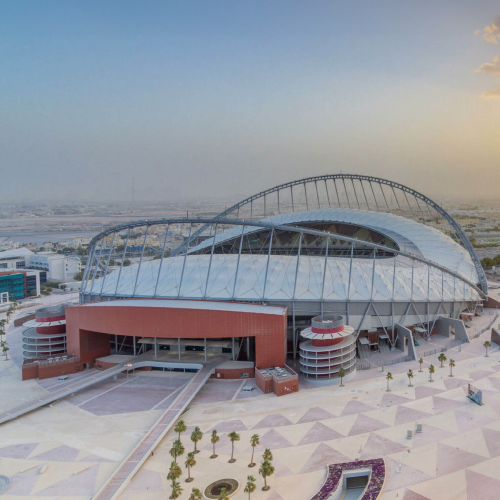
{"x": 58, "y": 267}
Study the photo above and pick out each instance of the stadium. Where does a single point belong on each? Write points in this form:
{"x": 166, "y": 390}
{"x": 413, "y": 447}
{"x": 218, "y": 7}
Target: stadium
{"x": 380, "y": 256}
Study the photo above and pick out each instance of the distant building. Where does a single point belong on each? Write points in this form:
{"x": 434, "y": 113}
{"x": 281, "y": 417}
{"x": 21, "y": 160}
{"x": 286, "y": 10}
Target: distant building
{"x": 12, "y": 286}
{"x": 15, "y": 259}
{"x": 57, "y": 266}
{"x": 20, "y": 283}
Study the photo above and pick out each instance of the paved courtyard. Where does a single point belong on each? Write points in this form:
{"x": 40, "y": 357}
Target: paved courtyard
{"x": 68, "y": 450}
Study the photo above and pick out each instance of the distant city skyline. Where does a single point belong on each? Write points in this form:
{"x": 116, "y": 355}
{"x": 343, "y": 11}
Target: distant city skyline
{"x": 211, "y": 99}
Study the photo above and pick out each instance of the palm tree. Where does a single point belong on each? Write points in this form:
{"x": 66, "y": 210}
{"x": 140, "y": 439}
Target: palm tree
{"x": 442, "y": 358}
{"x": 388, "y": 377}
{"x": 9, "y": 312}
{"x": 254, "y": 441}
{"x": 233, "y": 436}
{"x": 196, "y": 436}
{"x": 223, "y": 494}
{"x": 190, "y": 462}
{"x": 195, "y": 494}
{"x": 5, "y": 349}
{"x": 341, "y": 375}
{"x": 431, "y": 371}
{"x": 486, "y": 345}
{"x": 410, "y": 376}
{"x": 177, "y": 449}
{"x": 266, "y": 469}
{"x": 180, "y": 428}
{"x": 250, "y": 487}
{"x": 267, "y": 455}
{"x": 176, "y": 490}
{"x": 175, "y": 472}
{"x": 452, "y": 365}
{"x": 421, "y": 360}
{"x": 214, "y": 439}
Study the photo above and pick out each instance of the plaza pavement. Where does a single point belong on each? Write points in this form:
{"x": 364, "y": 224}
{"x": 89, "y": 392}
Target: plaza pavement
{"x": 457, "y": 456}
{"x": 67, "y": 451}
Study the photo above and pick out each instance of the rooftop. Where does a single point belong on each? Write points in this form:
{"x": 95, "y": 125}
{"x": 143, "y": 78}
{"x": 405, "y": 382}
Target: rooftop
{"x": 194, "y": 304}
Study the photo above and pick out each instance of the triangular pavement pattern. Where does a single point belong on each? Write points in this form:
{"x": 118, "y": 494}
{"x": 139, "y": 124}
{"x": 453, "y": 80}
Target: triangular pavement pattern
{"x": 229, "y": 426}
{"x": 275, "y": 420}
{"x": 17, "y": 450}
{"x": 451, "y": 459}
{"x": 366, "y": 424}
{"x": 80, "y": 485}
{"x": 93, "y": 458}
{"x": 281, "y": 470}
{"x": 322, "y": 456}
{"x": 423, "y": 391}
{"x": 468, "y": 421}
{"x": 480, "y": 374}
{"x": 405, "y": 415}
{"x": 492, "y": 439}
{"x": 319, "y": 433}
{"x": 411, "y": 495}
{"x": 272, "y": 439}
{"x": 60, "y": 454}
{"x": 394, "y": 399}
{"x": 453, "y": 383}
{"x": 315, "y": 414}
{"x": 495, "y": 382}
{"x": 481, "y": 487}
{"x": 442, "y": 405}
{"x": 274, "y": 496}
{"x": 22, "y": 484}
{"x": 354, "y": 407}
{"x": 145, "y": 482}
{"x": 378, "y": 446}
{"x": 430, "y": 435}
{"x": 406, "y": 477}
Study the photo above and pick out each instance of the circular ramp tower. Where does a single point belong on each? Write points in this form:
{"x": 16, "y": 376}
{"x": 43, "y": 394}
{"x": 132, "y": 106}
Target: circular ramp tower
{"x": 329, "y": 345}
{"x": 45, "y": 336}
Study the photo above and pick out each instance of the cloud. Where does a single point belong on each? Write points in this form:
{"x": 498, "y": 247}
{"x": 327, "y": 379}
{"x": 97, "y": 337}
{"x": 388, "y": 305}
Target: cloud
{"x": 492, "y": 94}
{"x": 492, "y": 68}
{"x": 491, "y": 34}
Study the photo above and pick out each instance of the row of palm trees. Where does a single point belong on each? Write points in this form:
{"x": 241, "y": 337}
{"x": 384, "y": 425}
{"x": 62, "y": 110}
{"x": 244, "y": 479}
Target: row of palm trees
{"x": 442, "y": 358}
{"x": 3, "y": 342}
{"x": 266, "y": 468}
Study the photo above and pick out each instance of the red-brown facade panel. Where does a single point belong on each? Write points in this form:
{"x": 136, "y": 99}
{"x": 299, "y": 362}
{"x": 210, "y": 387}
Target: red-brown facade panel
{"x": 88, "y": 328}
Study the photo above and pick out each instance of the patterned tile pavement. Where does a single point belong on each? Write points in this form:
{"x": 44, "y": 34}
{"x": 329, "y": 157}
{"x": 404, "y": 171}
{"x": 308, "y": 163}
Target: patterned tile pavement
{"x": 79, "y": 442}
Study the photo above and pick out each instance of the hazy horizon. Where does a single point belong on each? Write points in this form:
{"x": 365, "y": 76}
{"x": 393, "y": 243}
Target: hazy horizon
{"x": 213, "y": 99}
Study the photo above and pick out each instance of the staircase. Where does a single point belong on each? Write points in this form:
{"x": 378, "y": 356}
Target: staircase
{"x": 364, "y": 351}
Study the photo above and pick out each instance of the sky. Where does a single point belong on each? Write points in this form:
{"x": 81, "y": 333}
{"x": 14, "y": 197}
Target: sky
{"x": 217, "y": 99}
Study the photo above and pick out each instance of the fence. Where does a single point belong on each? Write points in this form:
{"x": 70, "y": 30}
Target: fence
{"x": 363, "y": 364}
{"x": 451, "y": 345}
{"x": 476, "y": 335}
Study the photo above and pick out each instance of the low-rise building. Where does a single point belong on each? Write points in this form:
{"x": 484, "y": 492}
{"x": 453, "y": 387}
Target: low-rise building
{"x": 57, "y": 266}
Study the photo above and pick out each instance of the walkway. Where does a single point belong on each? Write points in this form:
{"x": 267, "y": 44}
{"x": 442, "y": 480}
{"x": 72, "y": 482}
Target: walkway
{"x": 136, "y": 362}
{"x": 124, "y": 474}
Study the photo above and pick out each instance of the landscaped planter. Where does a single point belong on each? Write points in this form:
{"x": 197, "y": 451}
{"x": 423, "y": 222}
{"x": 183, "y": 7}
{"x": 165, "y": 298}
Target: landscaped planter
{"x": 375, "y": 484}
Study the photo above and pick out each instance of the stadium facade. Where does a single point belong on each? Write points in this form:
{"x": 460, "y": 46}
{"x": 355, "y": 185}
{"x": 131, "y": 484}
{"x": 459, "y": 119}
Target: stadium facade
{"x": 375, "y": 252}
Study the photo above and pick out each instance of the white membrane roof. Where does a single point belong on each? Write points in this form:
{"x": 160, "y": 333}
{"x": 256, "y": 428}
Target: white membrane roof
{"x": 313, "y": 278}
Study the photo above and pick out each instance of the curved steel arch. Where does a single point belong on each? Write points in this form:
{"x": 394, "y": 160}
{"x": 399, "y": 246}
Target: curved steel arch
{"x": 393, "y": 185}
{"x": 263, "y": 225}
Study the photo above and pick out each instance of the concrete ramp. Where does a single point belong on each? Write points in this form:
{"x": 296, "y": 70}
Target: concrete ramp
{"x": 115, "y": 485}
{"x": 137, "y": 362}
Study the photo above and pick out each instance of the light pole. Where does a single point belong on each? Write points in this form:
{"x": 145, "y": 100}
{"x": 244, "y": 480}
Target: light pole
{"x": 128, "y": 366}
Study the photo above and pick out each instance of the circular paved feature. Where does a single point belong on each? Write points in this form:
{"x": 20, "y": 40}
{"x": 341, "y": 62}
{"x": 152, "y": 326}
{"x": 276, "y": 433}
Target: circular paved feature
{"x": 4, "y": 481}
{"x": 213, "y": 490}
